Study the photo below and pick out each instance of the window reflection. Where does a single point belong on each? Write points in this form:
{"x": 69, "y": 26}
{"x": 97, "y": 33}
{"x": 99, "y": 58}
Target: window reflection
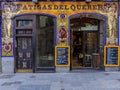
{"x": 24, "y": 23}
{"x": 45, "y": 42}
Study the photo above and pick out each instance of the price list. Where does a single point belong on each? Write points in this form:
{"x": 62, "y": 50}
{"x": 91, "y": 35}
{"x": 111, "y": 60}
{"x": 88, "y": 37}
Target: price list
{"x": 112, "y": 55}
{"x": 62, "y": 56}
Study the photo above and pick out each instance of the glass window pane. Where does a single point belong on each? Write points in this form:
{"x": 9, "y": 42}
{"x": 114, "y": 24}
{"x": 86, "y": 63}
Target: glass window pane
{"x": 45, "y": 42}
{"x": 21, "y": 23}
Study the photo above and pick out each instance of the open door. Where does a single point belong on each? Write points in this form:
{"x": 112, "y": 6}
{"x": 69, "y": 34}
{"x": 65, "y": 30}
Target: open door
{"x": 84, "y": 45}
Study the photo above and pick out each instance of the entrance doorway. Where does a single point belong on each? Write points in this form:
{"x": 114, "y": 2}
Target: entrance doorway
{"x": 85, "y": 38}
{"x": 23, "y": 43}
{"x": 24, "y": 53}
{"x": 84, "y": 45}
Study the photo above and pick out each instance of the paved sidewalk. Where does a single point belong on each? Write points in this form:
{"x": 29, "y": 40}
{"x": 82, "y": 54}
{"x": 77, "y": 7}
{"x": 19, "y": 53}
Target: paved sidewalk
{"x": 61, "y": 81}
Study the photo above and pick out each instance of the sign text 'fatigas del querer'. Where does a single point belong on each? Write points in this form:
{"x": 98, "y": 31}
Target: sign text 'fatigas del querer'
{"x": 72, "y": 7}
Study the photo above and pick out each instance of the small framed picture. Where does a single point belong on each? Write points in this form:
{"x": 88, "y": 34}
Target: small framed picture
{"x": 62, "y": 56}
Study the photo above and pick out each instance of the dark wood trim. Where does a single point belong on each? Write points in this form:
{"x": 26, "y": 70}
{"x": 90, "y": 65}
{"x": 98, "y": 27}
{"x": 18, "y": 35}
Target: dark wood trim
{"x": 34, "y": 43}
{"x": 34, "y": 27}
{"x": 23, "y": 35}
{"x": 25, "y": 27}
{"x": 24, "y": 17}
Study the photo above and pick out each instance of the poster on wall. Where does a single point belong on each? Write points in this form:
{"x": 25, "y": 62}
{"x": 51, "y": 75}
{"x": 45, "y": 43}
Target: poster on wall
{"x": 62, "y": 56}
{"x": 111, "y": 56}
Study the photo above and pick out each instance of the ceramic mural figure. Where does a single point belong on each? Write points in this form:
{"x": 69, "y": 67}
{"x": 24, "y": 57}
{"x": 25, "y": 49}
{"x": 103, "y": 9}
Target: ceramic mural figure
{"x": 9, "y": 10}
{"x": 110, "y": 11}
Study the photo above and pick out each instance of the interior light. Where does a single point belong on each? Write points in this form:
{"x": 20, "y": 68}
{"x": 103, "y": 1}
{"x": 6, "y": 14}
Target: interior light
{"x": 34, "y": 0}
{"x": 88, "y": 0}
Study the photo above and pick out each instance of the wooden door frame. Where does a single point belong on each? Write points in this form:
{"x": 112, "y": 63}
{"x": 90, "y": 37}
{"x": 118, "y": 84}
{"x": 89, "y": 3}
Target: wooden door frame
{"x": 22, "y": 17}
{"x": 34, "y": 27}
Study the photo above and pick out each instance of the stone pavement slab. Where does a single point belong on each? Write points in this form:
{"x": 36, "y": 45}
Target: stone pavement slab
{"x": 34, "y": 87}
{"x": 61, "y": 81}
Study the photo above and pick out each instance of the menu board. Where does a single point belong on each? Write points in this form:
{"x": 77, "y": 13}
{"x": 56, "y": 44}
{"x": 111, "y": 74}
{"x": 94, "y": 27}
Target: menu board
{"x": 112, "y": 55}
{"x": 62, "y": 56}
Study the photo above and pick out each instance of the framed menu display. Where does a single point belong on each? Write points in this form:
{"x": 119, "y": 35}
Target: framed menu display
{"x": 62, "y": 56}
{"x": 111, "y": 56}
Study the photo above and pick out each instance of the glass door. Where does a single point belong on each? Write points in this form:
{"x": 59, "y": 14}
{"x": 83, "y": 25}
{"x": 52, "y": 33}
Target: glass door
{"x": 90, "y": 47}
{"x": 45, "y": 43}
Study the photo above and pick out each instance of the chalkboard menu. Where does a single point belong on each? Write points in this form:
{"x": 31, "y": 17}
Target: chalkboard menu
{"x": 112, "y": 55}
{"x": 62, "y": 56}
